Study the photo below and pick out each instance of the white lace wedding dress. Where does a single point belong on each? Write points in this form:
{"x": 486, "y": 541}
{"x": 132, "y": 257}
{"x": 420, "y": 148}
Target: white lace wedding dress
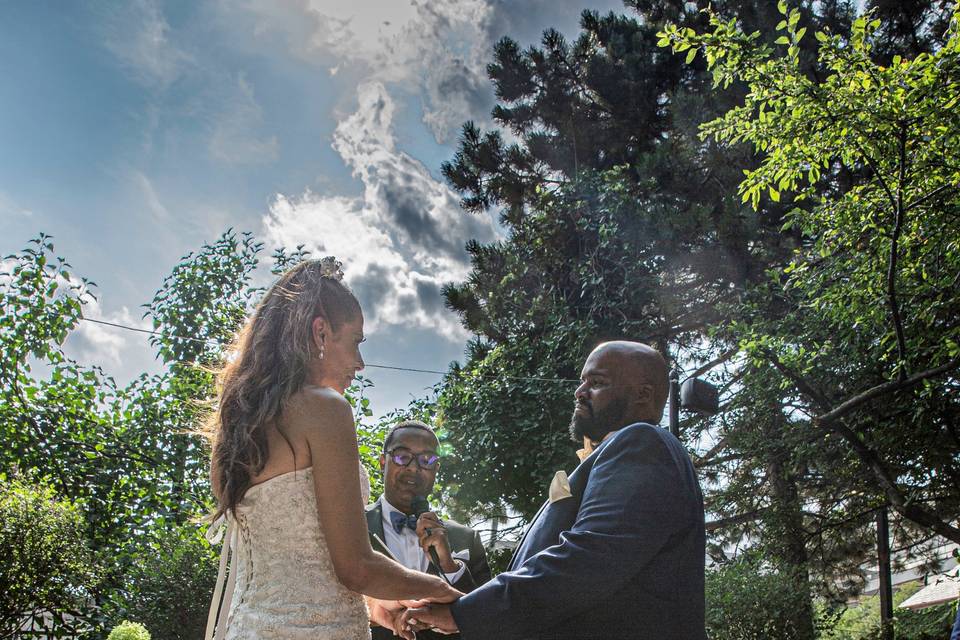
{"x": 282, "y": 583}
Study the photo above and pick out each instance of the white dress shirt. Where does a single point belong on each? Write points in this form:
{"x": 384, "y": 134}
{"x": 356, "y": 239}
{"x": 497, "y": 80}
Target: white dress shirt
{"x": 405, "y": 546}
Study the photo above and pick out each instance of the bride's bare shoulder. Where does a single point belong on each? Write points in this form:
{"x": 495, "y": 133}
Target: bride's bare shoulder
{"x": 312, "y": 406}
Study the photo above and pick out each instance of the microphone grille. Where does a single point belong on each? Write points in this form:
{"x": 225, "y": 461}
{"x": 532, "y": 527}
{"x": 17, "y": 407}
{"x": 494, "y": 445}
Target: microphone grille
{"x": 419, "y": 505}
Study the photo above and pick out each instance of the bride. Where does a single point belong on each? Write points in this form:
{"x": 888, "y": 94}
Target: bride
{"x": 286, "y": 475}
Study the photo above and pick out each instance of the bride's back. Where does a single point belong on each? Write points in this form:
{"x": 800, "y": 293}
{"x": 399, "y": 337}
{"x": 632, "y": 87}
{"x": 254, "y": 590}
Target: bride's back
{"x": 286, "y": 586}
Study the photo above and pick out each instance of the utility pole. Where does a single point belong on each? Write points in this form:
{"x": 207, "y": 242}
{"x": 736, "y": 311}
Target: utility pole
{"x": 886, "y": 583}
{"x": 675, "y": 402}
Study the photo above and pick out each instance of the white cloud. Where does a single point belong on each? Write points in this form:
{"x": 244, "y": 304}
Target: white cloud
{"x": 436, "y": 51}
{"x": 93, "y": 344}
{"x": 9, "y": 207}
{"x": 234, "y": 140}
{"x": 104, "y": 346}
{"x": 159, "y": 211}
{"x": 401, "y": 240}
{"x": 138, "y": 35}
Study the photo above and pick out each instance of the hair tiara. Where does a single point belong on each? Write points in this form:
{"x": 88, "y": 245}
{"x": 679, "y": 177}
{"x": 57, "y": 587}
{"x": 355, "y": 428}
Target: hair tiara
{"x": 330, "y": 267}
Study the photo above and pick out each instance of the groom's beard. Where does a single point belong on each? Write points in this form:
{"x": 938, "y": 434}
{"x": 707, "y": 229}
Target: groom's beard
{"x": 596, "y": 424}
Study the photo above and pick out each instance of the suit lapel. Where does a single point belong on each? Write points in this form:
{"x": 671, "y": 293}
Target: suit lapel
{"x": 375, "y": 527}
{"x": 523, "y": 538}
{"x": 585, "y": 466}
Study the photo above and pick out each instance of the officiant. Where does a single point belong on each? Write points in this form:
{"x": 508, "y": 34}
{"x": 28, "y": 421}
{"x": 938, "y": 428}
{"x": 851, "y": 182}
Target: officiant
{"x": 409, "y": 462}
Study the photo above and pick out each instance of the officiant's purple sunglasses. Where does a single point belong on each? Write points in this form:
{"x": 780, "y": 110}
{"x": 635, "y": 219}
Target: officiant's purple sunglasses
{"x": 404, "y": 457}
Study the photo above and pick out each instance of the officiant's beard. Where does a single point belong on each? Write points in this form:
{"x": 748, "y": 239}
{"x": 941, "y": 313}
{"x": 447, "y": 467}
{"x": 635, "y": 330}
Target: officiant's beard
{"x": 596, "y": 424}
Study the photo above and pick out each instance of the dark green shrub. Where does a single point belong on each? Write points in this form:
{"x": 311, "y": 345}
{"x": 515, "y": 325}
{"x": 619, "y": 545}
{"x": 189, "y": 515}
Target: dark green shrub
{"x": 47, "y": 573}
{"x": 747, "y": 600}
{"x": 169, "y": 586}
{"x": 862, "y": 622}
{"x": 127, "y": 630}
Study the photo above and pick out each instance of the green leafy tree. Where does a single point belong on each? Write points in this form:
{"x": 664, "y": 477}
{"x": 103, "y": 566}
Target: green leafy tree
{"x": 48, "y": 571}
{"x": 863, "y": 334}
{"x": 624, "y": 222}
{"x": 621, "y": 221}
{"x": 128, "y": 458}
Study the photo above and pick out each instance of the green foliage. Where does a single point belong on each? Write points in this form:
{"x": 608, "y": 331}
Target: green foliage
{"x": 129, "y": 631}
{"x": 127, "y": 459}
{"x": 624, "y": 219}
{"x": 858, "y": 329}
{"x": 123, "y": 456}
{"x": 621, "y": 224}
{"x": 48, "y": 567}
{"x": 748, "y": 600}
{"x": 862, "y": 622}
{"x": 169, "y": 584}
{"x": 204, "y": 300}
{"x": 499, "y": 560}
{"x": 369, "y": 435}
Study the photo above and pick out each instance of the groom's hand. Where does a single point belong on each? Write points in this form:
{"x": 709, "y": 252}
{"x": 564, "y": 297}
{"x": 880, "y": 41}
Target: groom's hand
{"x": 432, "y": 533}
{"x": 430, "y": 616}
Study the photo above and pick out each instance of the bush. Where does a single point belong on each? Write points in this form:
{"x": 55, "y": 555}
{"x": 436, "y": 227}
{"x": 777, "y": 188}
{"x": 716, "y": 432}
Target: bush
{"x": 169, "y": 586}
{"x": 47, "y": 573}
{"x": 747, "y": 600}
{"x": 862, "y": 622}
{"x": 129, "y": 631}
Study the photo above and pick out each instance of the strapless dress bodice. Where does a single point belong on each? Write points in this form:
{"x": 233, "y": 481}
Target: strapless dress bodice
{"x": 284, "y": 585}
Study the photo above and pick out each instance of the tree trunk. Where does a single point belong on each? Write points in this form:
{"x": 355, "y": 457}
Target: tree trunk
{"x": 791, "y": 545}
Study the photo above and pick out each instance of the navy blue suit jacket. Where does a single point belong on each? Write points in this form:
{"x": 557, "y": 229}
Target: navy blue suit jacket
{"x": 623, "y": 557}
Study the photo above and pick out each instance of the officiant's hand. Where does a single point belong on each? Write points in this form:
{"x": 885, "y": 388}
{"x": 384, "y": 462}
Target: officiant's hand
{"x": 430, "y": 616}
{"x": 432, "y": 533}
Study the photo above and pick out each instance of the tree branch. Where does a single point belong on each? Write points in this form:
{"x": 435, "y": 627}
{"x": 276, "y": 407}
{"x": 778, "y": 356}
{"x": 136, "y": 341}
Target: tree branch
{"x": 895, "y": 497}
{"x": 752, "y": 516}
{"x": 929, "y": 196}
{"x": 804, "y": 387}
{"x": 882, "y": 389}
{"x": 869, "y": 457}
{"x": 717, "y": 448}
{"x": 894, "y": 251}
{"x": 723, "y": 357}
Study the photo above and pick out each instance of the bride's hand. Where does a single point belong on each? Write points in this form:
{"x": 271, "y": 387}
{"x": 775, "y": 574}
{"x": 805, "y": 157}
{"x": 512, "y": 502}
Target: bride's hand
{"x": 388, "y": 614}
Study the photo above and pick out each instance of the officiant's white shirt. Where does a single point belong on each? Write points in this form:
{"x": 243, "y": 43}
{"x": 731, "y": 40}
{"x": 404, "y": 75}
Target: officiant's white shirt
{"x": 405, "y": 546}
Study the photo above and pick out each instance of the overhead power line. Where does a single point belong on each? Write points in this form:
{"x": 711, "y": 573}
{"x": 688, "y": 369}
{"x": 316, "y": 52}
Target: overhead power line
{"x": 208, "y": 341}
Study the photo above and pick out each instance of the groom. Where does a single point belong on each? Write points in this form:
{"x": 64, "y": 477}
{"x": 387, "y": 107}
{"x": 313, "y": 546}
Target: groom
{"x": 620, "y": 552}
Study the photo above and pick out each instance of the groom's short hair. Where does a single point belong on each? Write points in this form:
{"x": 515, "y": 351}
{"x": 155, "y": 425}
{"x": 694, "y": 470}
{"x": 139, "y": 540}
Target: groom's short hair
{"x": 406, "y": 424}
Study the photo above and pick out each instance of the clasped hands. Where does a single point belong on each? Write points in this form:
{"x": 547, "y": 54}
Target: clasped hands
{"x": 408, "y": 616}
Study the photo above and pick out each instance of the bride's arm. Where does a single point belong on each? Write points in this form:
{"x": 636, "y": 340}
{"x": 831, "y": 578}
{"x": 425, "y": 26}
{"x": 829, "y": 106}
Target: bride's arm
{"x": 325, "y": 420}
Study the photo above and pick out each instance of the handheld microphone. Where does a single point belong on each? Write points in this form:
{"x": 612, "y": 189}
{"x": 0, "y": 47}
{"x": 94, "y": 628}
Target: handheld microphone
{"x": 420, "y": 506}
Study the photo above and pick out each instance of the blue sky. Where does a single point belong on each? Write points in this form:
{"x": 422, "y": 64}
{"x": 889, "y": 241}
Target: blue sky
{"x": 134, "y": 132}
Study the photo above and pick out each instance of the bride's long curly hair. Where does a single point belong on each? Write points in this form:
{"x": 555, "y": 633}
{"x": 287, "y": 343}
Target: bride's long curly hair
{"x": 269, "y": 365}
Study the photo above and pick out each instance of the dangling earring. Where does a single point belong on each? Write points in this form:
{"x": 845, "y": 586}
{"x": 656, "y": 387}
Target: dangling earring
{"x": 320, "y": 349}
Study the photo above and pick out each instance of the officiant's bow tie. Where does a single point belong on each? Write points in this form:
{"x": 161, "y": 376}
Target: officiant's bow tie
{"x": 399, "y": 521}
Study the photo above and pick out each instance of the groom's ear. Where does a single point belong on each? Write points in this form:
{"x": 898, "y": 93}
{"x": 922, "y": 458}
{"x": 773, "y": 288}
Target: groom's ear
{"x": 644, "y": 394}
